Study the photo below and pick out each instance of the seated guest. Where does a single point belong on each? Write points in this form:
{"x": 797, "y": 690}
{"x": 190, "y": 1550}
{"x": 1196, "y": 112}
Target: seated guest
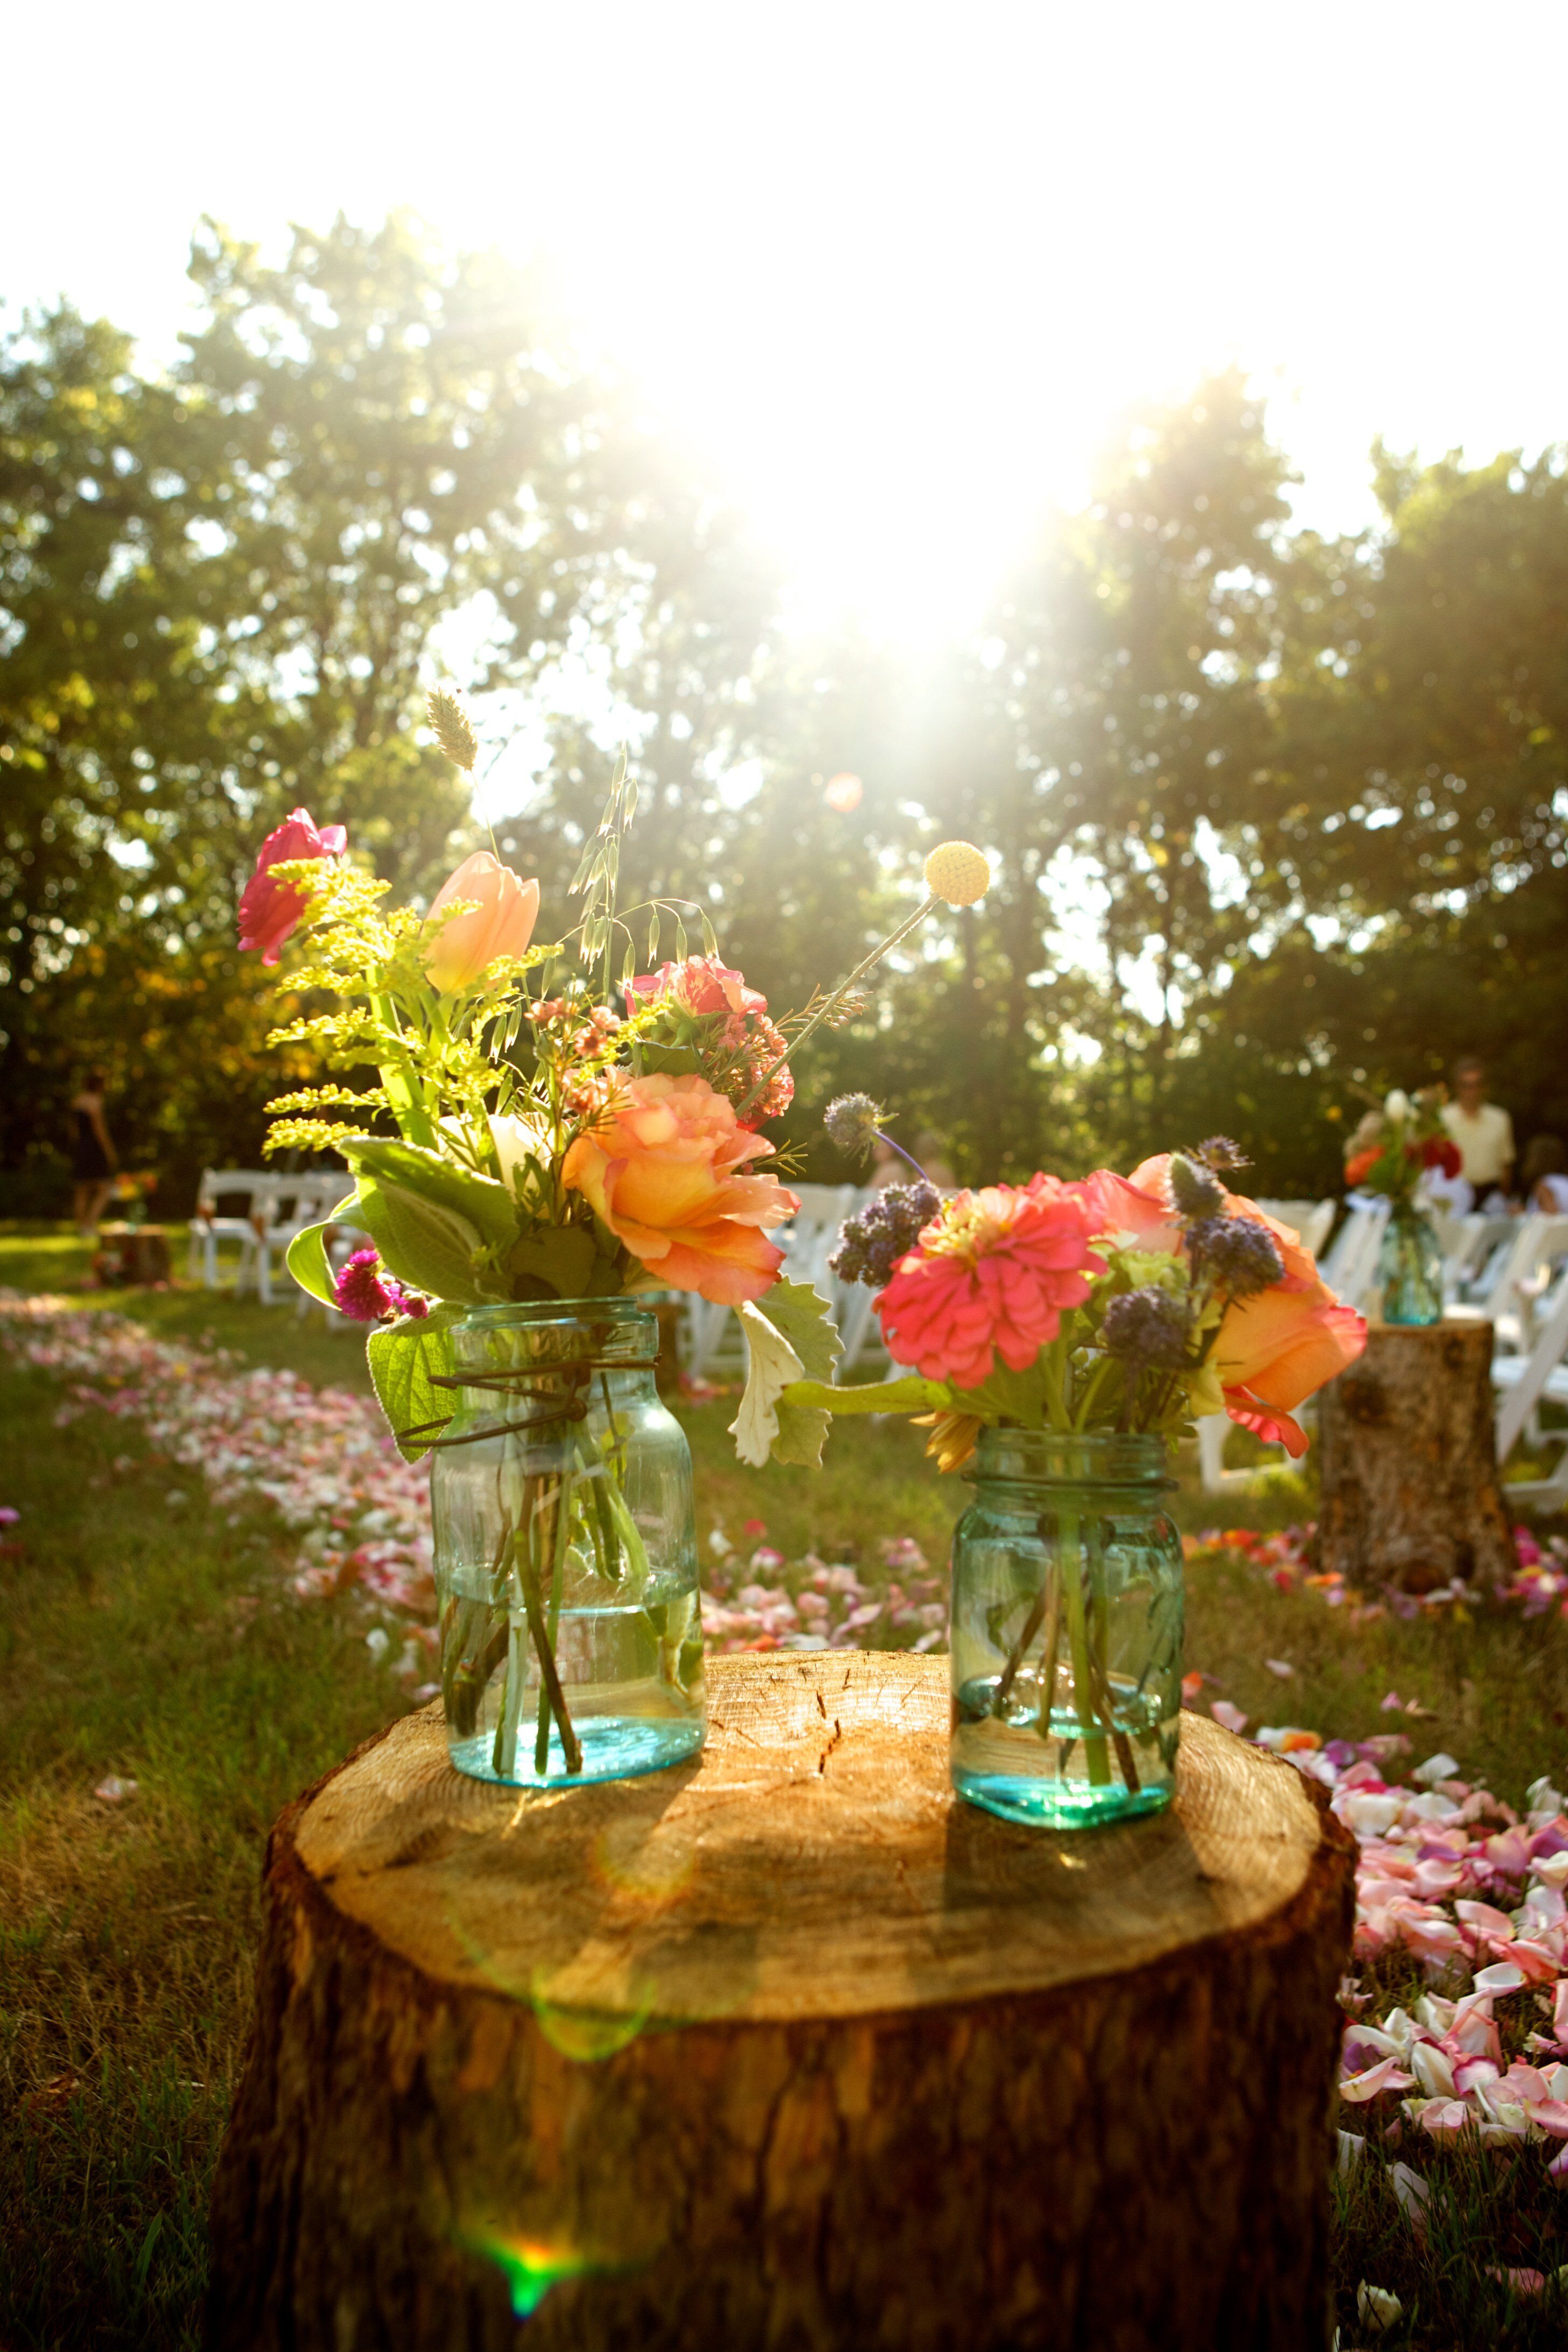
{"x": 1543, "y": 1176}
{"x": 1482, "y": 1131}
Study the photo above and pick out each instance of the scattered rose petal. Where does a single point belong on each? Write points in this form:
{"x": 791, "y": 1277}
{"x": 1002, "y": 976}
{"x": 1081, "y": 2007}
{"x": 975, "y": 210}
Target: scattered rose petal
{"x": 1376, "y": 2308}
{"x": 1230, "y": 1717}
{"x": 114, "y": 1790}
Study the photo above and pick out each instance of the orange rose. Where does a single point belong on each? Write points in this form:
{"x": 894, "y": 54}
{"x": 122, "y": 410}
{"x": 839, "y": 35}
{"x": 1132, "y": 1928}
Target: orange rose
{"x": 1277, "y": 1347}
{"x": 502, "y": 913}
{"x": 659, "y": 1168}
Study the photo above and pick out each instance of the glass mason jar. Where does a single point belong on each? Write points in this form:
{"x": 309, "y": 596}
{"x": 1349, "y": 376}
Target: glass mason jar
{"x": 565, "y": 1551}
{"x": 1410, "y": 1267}
{"x": 1068, "y": 1604}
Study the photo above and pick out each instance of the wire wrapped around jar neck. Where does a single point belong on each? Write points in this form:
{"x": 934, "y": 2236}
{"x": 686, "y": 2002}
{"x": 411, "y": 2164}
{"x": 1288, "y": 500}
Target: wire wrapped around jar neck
{"x": 513, "y": 1381}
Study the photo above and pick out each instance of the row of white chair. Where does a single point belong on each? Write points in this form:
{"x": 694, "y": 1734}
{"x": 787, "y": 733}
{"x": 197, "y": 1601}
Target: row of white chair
{"x": 259, "y": 1212}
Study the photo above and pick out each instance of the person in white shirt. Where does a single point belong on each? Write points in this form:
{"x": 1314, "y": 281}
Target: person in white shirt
{"x": 1482, "y": 1131}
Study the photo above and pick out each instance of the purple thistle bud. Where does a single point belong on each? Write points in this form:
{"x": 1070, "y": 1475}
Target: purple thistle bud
{"x": 1244, "y": 1254}
{"x": 1147, "y": 1327}
{"x": 852, "y": 1122}
{"x": 871, "y": 1242}
{"x": 1194, "y": 1190}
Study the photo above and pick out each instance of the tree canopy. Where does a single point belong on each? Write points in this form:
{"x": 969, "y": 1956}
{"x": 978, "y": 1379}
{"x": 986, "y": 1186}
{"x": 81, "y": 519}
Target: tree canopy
{"x": 1274, "y": 817}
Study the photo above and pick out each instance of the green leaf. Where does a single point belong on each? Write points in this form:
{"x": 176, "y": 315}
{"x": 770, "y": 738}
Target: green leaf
{"x": 787, "y": 1337}
{"x": 487, "y": 1204}
{"x": 802, "y": 1432}
{"x": 1007, "y": 1395}
{"x": 802, "y": 1314}
{"x": 402, "y": 1357}
{"x": 307, "y": 1259}
{"x": 562, "y": 1257}
{"x": 422, "y": 1242}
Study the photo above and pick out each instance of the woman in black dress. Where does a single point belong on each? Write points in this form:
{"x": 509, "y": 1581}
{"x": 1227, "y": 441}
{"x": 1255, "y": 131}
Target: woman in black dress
{"x": 94, "y": 1161}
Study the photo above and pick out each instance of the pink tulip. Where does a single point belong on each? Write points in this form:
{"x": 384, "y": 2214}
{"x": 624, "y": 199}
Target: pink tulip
{"x": 269, "y": 911}
{"x": 501, "y": 912}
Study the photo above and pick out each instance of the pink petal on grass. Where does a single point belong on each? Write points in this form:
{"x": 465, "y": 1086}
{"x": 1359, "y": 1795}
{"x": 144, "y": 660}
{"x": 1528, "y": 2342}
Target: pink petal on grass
{"x": 1502, "y": 1977}
{"x": 1522, "y": 2282}
{"x": 1373, "y": 2081}
{"x": 1230, "y": 1717}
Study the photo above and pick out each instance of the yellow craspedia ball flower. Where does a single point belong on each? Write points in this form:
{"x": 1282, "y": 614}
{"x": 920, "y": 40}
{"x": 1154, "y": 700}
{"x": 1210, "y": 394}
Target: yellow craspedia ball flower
{"x": 956, "y": 871}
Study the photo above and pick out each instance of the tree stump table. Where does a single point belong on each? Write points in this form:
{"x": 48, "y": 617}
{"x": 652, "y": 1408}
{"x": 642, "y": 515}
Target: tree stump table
{"x": 786, "y": 2048}
{"x": 1408, "y": 1461}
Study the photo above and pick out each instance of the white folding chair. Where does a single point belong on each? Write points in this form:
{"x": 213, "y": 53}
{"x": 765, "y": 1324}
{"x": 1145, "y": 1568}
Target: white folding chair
{"x": 1525, "y": 1382}
{"x": 229, "y": 1201}
{"x": 1314, "y": 1220}
{"x": 1350, "y": 1267}
{"x": 296, "y": 1202}
{"x": 1514, "y": 1278}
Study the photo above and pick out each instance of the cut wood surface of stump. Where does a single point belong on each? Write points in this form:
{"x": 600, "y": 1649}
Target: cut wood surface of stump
{"x": 786, "y": 2048}
{"x": 1409, "y": 1462}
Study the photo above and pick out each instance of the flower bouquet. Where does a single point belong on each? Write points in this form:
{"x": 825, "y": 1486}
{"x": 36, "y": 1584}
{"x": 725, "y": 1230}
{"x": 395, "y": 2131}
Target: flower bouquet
{"x": 1396, "y": 1150}
{"x": 1401, "y": 1152}
{"x": 1061, "y": 1335}
{"x": 573, "y": 1132}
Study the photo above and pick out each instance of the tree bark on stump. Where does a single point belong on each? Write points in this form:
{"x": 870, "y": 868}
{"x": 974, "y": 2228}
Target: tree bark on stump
{"x": 786, "y": 2048}
{"x": 1409, "y": 1462}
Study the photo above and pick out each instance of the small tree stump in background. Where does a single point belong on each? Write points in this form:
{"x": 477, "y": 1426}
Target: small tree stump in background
{"x": 786, "y": 2048}
{"x": 1409, "y": 1462}
{"x": 138, "y": 1253}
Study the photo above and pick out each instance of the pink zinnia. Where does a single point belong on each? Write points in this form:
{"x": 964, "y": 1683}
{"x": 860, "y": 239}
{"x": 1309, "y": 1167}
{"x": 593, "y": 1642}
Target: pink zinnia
{"x": 269, "y": 911}
{"x": 993, "y": 1274}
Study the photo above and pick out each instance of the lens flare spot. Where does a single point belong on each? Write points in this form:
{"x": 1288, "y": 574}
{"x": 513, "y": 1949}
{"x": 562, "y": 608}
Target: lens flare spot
{"x": 531, "y": 2267}
{"x": 842, "y": 793}
{"x": 587, "y": 2035}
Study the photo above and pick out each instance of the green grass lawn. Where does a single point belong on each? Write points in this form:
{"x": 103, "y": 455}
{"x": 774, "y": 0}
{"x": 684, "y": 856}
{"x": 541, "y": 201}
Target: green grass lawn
{"x": 154, "y": 1642}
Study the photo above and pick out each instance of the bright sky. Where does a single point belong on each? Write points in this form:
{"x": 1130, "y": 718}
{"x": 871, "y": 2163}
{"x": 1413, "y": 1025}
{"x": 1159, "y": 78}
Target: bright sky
{"x": 896, "y": 267}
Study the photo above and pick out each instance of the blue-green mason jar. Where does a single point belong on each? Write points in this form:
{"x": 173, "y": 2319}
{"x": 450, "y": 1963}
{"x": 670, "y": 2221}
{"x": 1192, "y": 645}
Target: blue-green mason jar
{"x": 1068, "y": 1604}
{"x": 565, "y": 1551}
{"x": 1410, "y": 1268}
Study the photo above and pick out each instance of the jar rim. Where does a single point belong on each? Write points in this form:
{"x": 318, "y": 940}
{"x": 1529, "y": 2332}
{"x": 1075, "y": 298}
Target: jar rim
{"x": 616, "y": 1309}
{"x": 1070, "y": 1456}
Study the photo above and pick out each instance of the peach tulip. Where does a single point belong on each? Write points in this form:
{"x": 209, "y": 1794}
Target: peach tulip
{"x": 659, "y": 1167}
{"x": 501, "y": 913}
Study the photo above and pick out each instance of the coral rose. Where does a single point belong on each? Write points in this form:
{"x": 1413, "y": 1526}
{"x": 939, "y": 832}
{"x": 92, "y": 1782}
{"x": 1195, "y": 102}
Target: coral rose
{"x": 659, "y": 1168}
{"x": 502, "y": 910}
{"x": 993, "y": 1274}
{"x": 1276, "y": 1349}
{"x": 269, "y": 911}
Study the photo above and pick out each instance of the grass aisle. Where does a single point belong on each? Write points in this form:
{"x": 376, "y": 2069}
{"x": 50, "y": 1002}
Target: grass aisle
{"x": 156, "y": 1640}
